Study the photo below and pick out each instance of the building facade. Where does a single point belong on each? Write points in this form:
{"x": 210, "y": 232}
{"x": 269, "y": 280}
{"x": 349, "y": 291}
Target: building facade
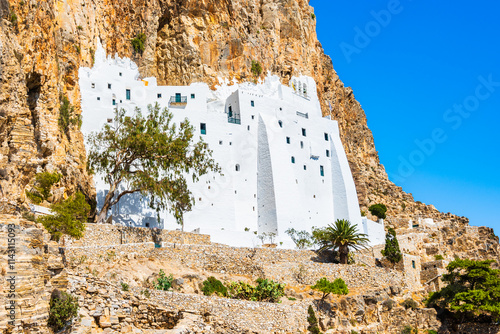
{"x": 283, "y": 163}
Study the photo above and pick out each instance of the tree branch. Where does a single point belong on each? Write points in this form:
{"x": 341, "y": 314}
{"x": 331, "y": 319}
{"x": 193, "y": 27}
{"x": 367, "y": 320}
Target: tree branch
{"x": 123, "y": 194}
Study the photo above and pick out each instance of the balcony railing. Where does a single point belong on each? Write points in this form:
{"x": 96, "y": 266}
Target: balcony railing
{"x": 178, "y": 100}
{"x": 234, "y": 120}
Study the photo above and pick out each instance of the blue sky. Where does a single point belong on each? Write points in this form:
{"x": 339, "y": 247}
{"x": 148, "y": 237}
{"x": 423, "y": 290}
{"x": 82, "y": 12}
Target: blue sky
{"x": 427, "y": 75}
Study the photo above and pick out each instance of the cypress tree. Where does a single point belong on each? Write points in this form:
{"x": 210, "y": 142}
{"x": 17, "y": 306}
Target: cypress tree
{"x": 391, "y": 250}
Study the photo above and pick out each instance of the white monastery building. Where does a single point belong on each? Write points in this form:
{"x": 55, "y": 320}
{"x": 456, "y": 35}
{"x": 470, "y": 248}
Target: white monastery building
{"x": 283, "y": 164}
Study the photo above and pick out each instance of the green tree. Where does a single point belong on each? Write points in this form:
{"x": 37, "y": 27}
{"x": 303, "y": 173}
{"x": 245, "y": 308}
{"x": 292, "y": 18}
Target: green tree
{"x": 313, "y": 321}
{"x": 41, "y": 188}
{"x": 256, "y": 68}
{"x": 473, "y": 290}
{"x": 302, "y": 239}
{"x": 391, "y": 250}
{"x": 138, "y": 43}
{"x": 69, "y": 217}
{"x": 342, "y": 235}
{"x": 150, "y": 155}
{"x": 378, "y": 210}
{"x": 337, "y": 287}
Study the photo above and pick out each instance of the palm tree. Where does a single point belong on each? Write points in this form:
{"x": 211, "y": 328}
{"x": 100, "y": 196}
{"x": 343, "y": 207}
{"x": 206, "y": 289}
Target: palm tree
{"x": 342, "y": 235}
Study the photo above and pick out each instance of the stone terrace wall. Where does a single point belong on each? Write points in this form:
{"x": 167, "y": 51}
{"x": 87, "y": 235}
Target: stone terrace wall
{"x": 111, "y": 235}
{"x": 286, "y": 266}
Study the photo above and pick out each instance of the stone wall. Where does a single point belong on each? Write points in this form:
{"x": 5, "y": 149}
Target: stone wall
{"x": 110, "y": 235}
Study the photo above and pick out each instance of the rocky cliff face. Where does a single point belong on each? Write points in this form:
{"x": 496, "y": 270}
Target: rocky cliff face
{"x": 42, "y": 45}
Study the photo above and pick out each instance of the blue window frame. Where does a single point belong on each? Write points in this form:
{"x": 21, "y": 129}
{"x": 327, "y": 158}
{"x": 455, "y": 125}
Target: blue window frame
{"x": 288, "y": 140}
{"x": 203, "y": 128}
{"x": 293, "y": 160}
{"x": 252, "y": 103}
{"x": 327, "y": 153}
{"x": 114, "y": 102}
{"x": 127, "y": 94}
{"x": 193, "y": 96}
{"x": 321, "y": 171}
{"x": 303, "y": 132}
{"x": 326, "y": 136}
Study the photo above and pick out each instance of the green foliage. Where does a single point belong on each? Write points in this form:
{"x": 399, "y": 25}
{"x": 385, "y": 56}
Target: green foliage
{"x": 473, "y": 290}
{"x": 431, "y": 331}
{"x": 342, "y": 236}
{"x": 79, "y": 28}
{"x": 41, "y": 188}
{"x": 146, "y": 293}
{"x": 164, "y": 282}
{"x": 67, "y": 116}
{"x": 212, "y": 285}
{"x": 151, "y": 155}
{"x": 125, "y": 286}
{"x": 363, "y": 213}
{"x": 313, "y": 321}
{"x": 69, "y": 217}
{"x": 313, "y": 16}
{"x": 378, "y": 210}
{"x": 337, "y": 287}
{"x": 63, "y": 307}
{"x": 409, "y": 330}
{"x": 409, "y": 303}
{"x": 138, "y": 43}
{"x": 13, "y": 18}
{"x": 256, "y": 68}
{"x": 266, "y": 291}
{"x": 388, "y": 304}
{"x": 438, "y": 257}
{"x": 302, "y": 239}
{"x": 391, "y": 250}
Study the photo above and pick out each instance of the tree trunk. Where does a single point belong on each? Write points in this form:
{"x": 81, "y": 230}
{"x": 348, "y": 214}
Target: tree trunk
{"x": 101, "y": 218}
{"x": 344, "y": 253}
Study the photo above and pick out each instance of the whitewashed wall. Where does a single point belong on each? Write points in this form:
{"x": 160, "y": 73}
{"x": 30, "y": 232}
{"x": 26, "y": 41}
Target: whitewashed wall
{"x": 267, "y": 192}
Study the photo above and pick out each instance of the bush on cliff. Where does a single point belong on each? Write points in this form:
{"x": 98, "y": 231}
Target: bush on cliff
{"x": 41, "y": 188}
{"x": 138, "y": 43}
{"x": 63, "y": 307}
{"x": 69, "y": 217}
{"x": 378, "y": 210}
{"x": 472, "y": 291}
{"x": 313, "y": 321}
{"x": 265, "y": 291}
{"x": 391, "y": 250}
{"x": 164, "y": 282}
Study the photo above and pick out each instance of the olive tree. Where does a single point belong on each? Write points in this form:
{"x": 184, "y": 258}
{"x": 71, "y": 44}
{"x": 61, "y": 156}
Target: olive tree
{"x": 151, "y": 155}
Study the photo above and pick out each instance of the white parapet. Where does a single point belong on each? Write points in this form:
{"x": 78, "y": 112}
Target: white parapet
{"x": 283, "y": 164}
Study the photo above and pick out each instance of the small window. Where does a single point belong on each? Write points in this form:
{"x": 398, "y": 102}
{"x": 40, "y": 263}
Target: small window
{"x": 220, "y": 142}
{"x": 158, "y": 95}
{"x": 98, "y": 98}
{"x": 327, "y": 153}
{"x": 303, "y": 132}
{"x": 288, "y": 140}
{"x": 230, "y": 143}
{"x": 147, "y": 224}
{"x": 253, "y": 117}
{"x": 237, "y": 167}
{"x": 280, "y": 123}
{"x": 293, "y": 160}
{"x": 248, "y": 128}
{"x": 93, "y": 85}
{"x": 114, "y": 102}
{"x": 252, "y": 103}
{"x": 301, "y": 144}
{"x": 127, "y": 94}
{"x": 120, "y": 73}
{"x": 109, "y": 86}
{"x": 321, "y": 171}
{"x": 193, "y": 96}
{"x": 203, "y": 128}
{"x": 230, "y": 111}
{"x": 305, "y": 167}
{"x": 326, "y": 136}
{"x": 413, "y": 264}
{"x": 120, "y": 101}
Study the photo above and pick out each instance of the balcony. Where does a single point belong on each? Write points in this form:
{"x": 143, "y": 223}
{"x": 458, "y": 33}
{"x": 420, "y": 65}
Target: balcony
{"x": 177, "y": 101}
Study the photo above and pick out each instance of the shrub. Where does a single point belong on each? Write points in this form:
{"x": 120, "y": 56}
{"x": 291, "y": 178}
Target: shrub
{"x": 164, "y": 282}
{"x": 63, "y": 307}
{"x": 337, "y": 287}
{"x": 138, "y": 43}
{"x": 241, "y": 290}
{"x": 409, "y": 303}
{"x": 313, "y": 16}
{"x": 124, "y": 286}
{"x": 67, "y": 116}
{"x": 146, "y": 293}
{"x": 269, "y": 291}
{"x": 301, "y": 239}
{"x": 79, "y": 27}
{"x": 41, "y": 188}
{"x": 313, "y": 321}
{"x": 213, "y": 285}
{"x": 409, "y": 330}
{"x": 68, "y": 217}
{"x": 256, "y": 68}
{"x": 388, "y": 304}
{"x": 13, "y": 18}
{"x": 431, "y": 331}
{"x": 378, "y": 210}
{"x": 438, "y": 257}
